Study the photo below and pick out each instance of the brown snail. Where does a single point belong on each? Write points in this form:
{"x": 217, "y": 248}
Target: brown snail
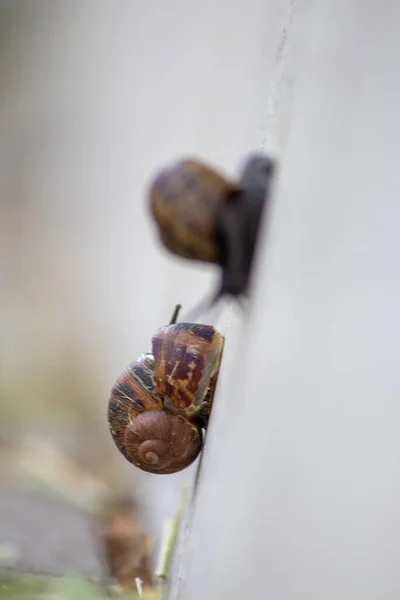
{"x": 201, "y": 215}
{"x": 161, "y": 402}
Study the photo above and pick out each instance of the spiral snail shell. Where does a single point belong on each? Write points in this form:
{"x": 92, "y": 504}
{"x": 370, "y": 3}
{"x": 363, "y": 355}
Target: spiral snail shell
{"x": 202, "y": 215}
{"x": 161, "y": 402}
{"x": 186, "y": 199}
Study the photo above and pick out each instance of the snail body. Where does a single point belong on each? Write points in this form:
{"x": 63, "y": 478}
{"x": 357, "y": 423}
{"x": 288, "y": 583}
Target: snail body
{"x": 201, "y": 215}
{"x": 161, "y": 402}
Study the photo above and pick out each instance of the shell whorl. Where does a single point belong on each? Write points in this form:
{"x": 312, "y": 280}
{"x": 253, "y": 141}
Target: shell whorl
{"x": 159, "y": 442}
{"x": 148, "y": 436}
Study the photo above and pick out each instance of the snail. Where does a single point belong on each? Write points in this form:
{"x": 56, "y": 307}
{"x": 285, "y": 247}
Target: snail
{"x": 160, "y": 404}
{"x": 203, "y": 216}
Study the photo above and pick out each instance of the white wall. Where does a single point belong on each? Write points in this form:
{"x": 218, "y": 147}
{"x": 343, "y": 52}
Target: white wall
{"x": 300, "y": 489}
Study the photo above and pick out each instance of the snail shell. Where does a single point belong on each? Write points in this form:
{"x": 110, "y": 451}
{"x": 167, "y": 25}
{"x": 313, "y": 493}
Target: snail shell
{"x": 160, "y": 403}
{"x": 186, "y": 199}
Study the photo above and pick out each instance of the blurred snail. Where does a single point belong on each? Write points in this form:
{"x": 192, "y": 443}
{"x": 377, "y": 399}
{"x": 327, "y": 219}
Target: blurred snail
{"x": 161, "y": 402}
{"x": 201, "y": 215}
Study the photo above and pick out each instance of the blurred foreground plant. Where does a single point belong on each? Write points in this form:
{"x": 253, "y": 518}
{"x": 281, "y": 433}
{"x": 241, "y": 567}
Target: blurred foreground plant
{"x": 123, "y": 547}
{"x": 29, "y": 587}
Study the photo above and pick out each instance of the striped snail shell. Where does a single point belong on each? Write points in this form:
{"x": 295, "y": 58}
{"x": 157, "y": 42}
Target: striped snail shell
{"x": 161, "y": 402}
